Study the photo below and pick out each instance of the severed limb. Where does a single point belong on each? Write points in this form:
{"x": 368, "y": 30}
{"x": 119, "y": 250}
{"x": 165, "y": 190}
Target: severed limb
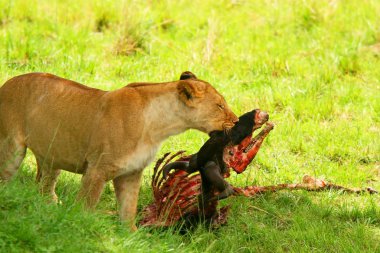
{"x": 238, "y": 157}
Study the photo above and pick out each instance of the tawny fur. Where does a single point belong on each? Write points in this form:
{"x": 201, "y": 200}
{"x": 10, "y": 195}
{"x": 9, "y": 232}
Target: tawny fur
{"x": 104, "y": 135}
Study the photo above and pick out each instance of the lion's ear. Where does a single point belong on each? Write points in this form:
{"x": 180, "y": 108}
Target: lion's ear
{"x": 187, "y": 75}
{"x": 188, "y": 91}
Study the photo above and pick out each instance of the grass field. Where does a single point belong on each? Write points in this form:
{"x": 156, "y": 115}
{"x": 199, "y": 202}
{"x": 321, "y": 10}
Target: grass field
{"x": 313, "y": 65}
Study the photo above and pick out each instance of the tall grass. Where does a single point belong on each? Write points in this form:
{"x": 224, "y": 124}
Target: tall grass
{"x": 313, "y": 65}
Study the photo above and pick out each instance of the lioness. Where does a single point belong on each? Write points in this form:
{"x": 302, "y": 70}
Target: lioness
{"x": 103, "y": 135}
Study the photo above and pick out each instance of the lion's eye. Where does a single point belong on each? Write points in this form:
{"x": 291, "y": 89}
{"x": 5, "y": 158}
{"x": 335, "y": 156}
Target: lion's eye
{"x": 221, "y": 107}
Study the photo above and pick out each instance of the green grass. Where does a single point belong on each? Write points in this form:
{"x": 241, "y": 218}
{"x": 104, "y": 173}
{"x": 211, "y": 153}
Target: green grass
{"x": 313, "y": 65}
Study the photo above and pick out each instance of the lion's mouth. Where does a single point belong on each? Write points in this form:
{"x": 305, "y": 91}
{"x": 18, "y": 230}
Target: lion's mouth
{"x": 227, "y": 125}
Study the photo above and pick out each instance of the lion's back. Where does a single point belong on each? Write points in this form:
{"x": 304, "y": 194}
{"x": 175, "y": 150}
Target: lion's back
{"x": 32, "y": 101}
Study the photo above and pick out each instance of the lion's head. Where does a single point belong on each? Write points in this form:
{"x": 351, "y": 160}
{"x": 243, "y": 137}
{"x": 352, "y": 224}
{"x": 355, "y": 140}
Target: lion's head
{"x": 207, "y": 109}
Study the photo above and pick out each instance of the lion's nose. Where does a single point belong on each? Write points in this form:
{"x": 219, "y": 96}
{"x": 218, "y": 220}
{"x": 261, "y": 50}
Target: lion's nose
{"x": 235, "y": 120}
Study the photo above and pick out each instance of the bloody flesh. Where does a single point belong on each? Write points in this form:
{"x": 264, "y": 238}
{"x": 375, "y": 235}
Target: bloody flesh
{"x": 238, "y": 157}
{"x": 178, "y": 195}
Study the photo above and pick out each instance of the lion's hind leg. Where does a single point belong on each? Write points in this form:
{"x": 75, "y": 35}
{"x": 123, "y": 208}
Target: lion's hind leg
{"x": 12, "y": 153}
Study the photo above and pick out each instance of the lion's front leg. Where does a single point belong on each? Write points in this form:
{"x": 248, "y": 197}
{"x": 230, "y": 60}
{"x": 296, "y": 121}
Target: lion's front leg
{"x": 93, "y": 182}
{"x": 127, "y": 189}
